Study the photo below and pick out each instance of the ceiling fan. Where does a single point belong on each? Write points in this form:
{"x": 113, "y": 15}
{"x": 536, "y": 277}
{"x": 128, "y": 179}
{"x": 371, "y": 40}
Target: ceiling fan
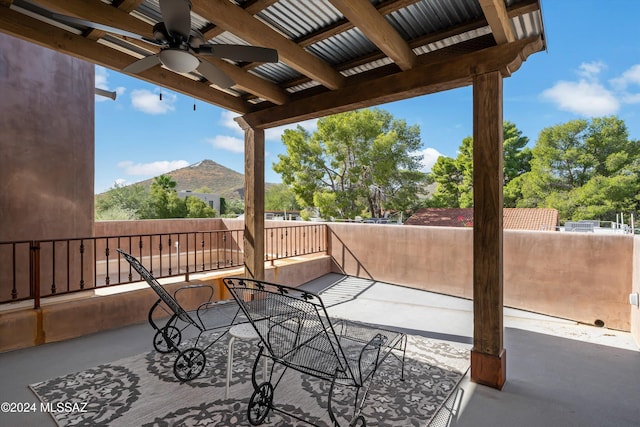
{"x": 181, "y": 45}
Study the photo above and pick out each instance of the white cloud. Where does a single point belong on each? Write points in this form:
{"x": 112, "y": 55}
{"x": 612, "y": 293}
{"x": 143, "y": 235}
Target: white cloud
{"x": 153, "y": 168}
{"x": 629, "y": 77}
{"x": 590, "y": 70}
{"x": 631, "y": 98}
{"x": 429, "y": 158}
{"x": 228, "y": 143}
{"x": 589, "y": 97}
{"x": 586, "y": 98}
{"x": 101, "y": 77}
{"x": 235, "y": 144}
{"x": 275, "y": 134}
{"x": 119, "y": 181}
{"x": 150, "y": 103}
{"x": 227, "y": 120}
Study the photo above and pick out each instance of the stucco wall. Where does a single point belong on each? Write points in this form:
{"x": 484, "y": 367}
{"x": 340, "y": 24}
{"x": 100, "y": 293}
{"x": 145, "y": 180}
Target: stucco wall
{"x": 437, "y": 259}
{"x": 156, "y": 226}
{"x": 635, "y": 288}
{"x": 46, "y": 143}
{"x": 578, "y": 276}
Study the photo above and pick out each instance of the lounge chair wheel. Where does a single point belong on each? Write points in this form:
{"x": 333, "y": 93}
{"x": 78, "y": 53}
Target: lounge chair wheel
{"x": 161, "y": 345}
{"x": 260, "y": 403}
{"x": 189, "y": 364}
{"x": 358, "y": 421}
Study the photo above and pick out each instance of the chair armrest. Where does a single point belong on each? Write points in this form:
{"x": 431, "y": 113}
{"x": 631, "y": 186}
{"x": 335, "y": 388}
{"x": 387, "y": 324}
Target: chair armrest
{"x": 186, "y": 287}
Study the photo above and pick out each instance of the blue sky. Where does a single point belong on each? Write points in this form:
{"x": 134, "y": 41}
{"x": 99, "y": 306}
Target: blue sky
{"x": 591, "y": 68}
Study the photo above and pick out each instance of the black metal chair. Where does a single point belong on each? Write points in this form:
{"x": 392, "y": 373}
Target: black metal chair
{"x": 296, "y": 332}
{"x": 191, "y": 361}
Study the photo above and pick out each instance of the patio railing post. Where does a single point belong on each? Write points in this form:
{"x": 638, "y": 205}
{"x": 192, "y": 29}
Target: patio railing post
{"x": 327, "y": 237}
{"x": 34, "y": 272}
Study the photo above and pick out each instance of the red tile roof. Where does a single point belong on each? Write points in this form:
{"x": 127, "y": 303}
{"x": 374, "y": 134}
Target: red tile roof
{"x": 513, "y": 218}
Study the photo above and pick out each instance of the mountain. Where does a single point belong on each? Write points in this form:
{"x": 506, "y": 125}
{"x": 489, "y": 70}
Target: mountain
{"x": 219, "y": 179}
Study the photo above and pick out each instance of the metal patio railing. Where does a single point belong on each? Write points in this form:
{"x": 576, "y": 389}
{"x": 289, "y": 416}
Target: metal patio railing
{"x": 35, "y": 269}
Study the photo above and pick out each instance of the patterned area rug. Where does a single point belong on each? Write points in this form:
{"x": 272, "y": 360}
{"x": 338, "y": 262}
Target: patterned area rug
{"x": 142, "y": 390}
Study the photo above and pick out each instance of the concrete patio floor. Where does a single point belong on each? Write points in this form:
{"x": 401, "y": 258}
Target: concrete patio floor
{"x": 559, "y": 373}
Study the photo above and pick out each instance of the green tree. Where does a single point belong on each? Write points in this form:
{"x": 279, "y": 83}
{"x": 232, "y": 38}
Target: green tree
{"x": 356, "y": 162}
{"x": 280, "y": 197}
{"x": 197, "y": 208}
{"x": 123, "y": 202}
{"x": 587, "y": 169}
{"x": 116, "y": 213}
{"x": 455, "y": 176}
{"x": 234, "y": 207}
{"x": 449, "y": 180}
{"x": 516, "y": 163}
{"x": 165, "y": 202}
{"x": 223, "y": 206}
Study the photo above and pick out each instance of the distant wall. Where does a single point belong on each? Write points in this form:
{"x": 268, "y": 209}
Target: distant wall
{"x": 46, "y": 143}
{"x": 635, "y": 288}
{"x": 156, "y": 226}
{"x": 578, "y": 276}
{"x": 584, "y": 277}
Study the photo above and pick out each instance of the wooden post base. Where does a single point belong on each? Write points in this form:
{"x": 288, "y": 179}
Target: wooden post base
{"x": 489, "y": 369}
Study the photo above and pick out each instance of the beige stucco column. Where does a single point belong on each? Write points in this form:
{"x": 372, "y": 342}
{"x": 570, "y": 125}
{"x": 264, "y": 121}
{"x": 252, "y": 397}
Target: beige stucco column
{"x": 488, "y": 357}
{"x": 253, "y": 200}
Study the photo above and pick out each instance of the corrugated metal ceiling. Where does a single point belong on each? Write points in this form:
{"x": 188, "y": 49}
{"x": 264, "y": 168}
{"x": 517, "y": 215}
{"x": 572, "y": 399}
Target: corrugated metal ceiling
{"x": 347, "y": 48}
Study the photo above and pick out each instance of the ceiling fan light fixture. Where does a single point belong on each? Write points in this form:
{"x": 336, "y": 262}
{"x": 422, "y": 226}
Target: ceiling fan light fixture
{"x": 179, "y": 61}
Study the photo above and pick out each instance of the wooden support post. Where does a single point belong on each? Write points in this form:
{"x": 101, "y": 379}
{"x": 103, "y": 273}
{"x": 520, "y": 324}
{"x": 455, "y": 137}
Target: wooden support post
{"x": 488, "y": 357}
{"x": 253, "y": 200}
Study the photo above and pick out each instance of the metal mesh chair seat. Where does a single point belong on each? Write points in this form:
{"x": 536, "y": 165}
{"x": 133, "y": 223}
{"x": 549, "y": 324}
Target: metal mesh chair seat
{"x": 296, "y": 332}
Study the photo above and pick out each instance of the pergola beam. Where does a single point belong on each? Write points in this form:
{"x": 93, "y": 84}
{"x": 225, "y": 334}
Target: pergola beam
{"x": 377, "y": 29}
{"x": 236, "y": 20}
{"x": 444, "y": 74}
{"x": 253, "y": 7}
{"x": 496, "y": 13}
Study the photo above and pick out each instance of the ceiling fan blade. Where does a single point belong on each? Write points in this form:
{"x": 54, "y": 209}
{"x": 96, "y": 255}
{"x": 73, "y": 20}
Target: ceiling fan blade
{"x": 142, "y": 64}
{"x": 177, "y": 17}
{"x": 239, "y": 52}
{"x": 77, "y": 21}
{"x": 215, "y": 75}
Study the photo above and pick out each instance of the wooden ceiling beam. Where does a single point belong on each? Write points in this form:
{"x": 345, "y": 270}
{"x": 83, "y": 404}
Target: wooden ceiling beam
{"x": 431, "y": 77}
{"x": 496, "y": 13}
{"x": 250, "y": 82}
{"x": 102, "y": 13}
{"x": 252, "y": 7}
{"x": 126, "y": 6}
{"x": 234, "y": 19}
{"x": 518, "y": 9}
{"x": 377, "y": 29}
{"x": 32, "y": 30}
{"x": 343, "y": 25}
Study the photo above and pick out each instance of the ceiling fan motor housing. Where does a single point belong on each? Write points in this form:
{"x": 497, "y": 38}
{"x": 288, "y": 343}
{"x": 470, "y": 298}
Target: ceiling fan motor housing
{"x": 178, "y": 60}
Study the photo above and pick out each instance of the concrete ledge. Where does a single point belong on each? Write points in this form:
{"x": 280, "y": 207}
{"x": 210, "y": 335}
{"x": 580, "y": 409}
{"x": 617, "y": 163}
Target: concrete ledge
{"x": 91, "y": 312}
{"x": 18, "y": 329}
